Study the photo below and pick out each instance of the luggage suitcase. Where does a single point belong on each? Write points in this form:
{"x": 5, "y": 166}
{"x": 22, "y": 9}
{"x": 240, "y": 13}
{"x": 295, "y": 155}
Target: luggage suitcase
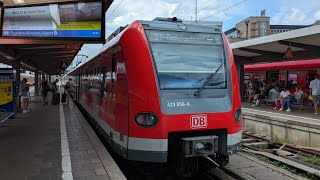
{"x": 64, "y": 98}
{"x": 56, "y": 99}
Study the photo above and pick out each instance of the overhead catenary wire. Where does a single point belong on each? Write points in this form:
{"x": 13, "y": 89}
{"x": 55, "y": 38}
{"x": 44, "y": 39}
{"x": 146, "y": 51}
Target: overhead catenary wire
{"x": 223, "y": 10}
{"x": 177, "y": 7}
{"x": 207, "y": 6}
{"x": 114, "y": 10}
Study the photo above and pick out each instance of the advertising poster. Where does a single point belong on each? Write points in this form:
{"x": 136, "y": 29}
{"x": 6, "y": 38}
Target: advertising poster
{"x": 77, "y": 20}
{"x": 6, "y": 92}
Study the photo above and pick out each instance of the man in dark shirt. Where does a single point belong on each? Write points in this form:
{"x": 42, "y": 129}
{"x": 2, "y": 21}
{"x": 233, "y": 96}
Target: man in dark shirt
{"x": 262, "y": 95}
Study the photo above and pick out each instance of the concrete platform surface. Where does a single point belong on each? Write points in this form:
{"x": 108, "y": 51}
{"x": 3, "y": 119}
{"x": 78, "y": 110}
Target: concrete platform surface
{"x": 53, "y": 143}
{"x": 297, "y": 127}
{"x": 296, "y": 115}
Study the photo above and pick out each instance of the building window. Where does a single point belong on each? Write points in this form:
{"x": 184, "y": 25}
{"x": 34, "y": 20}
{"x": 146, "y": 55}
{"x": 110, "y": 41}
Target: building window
{"x": 263, "y": 28}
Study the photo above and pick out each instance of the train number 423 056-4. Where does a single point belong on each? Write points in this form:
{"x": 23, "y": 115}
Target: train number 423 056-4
{"x": 178, "y": 104}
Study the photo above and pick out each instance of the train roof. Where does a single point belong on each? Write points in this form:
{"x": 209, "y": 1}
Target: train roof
{"x": 171, "y": 24}
{"x": 302, "y": 64}
{"x": 179, "y": 25}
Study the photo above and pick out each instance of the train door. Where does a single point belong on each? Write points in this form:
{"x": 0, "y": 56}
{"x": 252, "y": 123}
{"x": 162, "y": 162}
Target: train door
{"x": 112, "y": 95}
{"x": 105, "y": 94}
{"x": 96, "y": 86}
{"x": 106, "y": 107}
{"x": 90, "y": 86}
{"x": 283, "y": 79}
{"x": 273, "y": 76}
{"x": 121, "y": 102}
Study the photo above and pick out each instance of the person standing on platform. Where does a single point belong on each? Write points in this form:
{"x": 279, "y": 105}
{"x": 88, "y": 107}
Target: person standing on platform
{"x": 69, "y": 87}
{"x": 54, "y": 86}
{"x": 45, "y": 88}
{"x": 315, "y": 92}
{"x": 24, "y": 92}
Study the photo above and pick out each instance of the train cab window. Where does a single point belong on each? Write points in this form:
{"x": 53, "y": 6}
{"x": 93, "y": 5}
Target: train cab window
{"x": 199, "y": 55}
{"x": 292, "y": 80}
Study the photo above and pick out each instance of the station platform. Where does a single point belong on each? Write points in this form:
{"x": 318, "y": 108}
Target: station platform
{"x": 308, "y": 113}
{"x": 298, "y": 127}
{"x": 53, "y": 143}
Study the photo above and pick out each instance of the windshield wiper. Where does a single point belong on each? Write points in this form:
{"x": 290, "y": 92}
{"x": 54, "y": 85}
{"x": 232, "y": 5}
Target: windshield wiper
{"x": 207, "y": 81}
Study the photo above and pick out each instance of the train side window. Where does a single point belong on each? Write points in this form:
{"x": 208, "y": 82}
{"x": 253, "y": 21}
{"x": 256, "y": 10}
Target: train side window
{"x": 292, "y": 80}
{"x": 103, "y": 82}
{"x": 113, "y": 68}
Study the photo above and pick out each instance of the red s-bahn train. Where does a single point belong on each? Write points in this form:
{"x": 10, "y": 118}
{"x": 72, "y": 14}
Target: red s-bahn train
{"x": 286, "y": 74}
{"x": 164, "y": 91}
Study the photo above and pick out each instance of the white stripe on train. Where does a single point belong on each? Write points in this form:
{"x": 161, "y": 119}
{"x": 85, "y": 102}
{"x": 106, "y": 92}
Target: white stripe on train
{"x": 146, "y": 144}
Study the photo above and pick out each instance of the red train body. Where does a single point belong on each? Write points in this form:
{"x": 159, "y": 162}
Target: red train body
{"x": 141, "y": 89}
{"x": 286, "y": 74}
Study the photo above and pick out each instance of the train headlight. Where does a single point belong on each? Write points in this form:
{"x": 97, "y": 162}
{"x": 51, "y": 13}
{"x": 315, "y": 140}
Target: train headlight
{"x": 237, "y": 115}
{"x": 146, "y": 120}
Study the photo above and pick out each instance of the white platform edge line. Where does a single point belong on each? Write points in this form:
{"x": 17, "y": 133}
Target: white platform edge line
{"x": 65, "y": 152}
{"x": 274, "y": 113}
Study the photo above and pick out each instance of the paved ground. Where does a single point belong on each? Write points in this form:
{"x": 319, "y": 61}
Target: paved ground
{"x": 30, "y": 149}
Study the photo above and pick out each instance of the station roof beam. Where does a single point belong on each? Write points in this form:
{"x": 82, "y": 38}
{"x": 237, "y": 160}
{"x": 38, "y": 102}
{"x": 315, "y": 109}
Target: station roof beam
{"x": 305, "y": 44}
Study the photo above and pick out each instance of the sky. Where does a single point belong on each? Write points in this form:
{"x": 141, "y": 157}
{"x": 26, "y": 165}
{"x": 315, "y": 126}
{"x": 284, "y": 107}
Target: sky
{"x": 230, "y": 12}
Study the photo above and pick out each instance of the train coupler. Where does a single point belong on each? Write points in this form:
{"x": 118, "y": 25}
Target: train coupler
{"x": 200, "y": 146}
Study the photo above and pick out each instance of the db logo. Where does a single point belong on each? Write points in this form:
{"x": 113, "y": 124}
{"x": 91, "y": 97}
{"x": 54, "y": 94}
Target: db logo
{"x": 198, "y": 121}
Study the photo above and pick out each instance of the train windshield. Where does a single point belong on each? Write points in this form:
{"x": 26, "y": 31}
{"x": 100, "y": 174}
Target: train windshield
{"x": 185, "y": 60}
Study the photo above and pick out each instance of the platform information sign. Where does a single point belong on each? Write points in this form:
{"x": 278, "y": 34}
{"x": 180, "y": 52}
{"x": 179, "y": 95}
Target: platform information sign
{"x": 72, "y": 20}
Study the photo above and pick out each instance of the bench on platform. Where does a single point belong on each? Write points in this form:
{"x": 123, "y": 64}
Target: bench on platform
{"x": 4, "y": 115}
{"x": 272, "y": 96}
{"x": 304, "y": 104}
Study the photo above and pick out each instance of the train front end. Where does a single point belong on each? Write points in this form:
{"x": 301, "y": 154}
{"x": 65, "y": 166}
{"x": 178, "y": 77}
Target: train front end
{"x": 192, "y": 115}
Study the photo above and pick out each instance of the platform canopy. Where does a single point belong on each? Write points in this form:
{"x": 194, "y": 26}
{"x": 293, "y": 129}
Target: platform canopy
{"x": 44, "y": 58}
{"x": 298, "y": 44}
{"x": 43, "y": 55}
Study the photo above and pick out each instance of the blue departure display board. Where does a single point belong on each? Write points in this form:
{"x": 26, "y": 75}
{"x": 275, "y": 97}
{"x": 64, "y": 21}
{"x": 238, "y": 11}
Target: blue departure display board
{"x": 72, "y": 20}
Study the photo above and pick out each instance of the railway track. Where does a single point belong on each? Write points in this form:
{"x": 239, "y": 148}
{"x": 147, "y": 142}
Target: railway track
{"x": 223, "y": 174}
{"x": 291, "y": 148}
{"x": 291, "y": 157}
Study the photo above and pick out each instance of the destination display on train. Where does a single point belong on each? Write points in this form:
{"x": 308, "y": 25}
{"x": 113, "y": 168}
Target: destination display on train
{"x": 185, "y": 37}
{"x": 76, "y": 20}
